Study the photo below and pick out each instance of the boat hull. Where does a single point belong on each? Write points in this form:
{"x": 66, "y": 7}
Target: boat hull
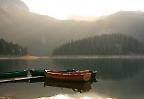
{"x": 37, "y": 72}
{"x": 13, "y": 74}
{"x": 68, "y": 76}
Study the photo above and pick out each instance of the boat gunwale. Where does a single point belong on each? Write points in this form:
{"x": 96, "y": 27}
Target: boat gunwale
{"x": 68, "y": 76}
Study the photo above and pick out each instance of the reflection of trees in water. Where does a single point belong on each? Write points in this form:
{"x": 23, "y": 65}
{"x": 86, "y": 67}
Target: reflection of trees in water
{"x": 107, "y": 69}
{"x": 12, "y": 65}
{"x": 75, "y": 86}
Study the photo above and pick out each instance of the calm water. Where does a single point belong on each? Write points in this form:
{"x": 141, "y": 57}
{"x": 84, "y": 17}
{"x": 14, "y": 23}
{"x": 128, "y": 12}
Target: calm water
{"x": 116, "y": 79}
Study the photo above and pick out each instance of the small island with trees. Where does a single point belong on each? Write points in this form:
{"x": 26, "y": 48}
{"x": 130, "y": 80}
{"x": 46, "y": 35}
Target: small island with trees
{"x": 106, "y": 44}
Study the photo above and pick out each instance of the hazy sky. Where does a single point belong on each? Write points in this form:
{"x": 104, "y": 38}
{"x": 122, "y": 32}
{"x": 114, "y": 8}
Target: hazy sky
{"x": 65, "y": 9}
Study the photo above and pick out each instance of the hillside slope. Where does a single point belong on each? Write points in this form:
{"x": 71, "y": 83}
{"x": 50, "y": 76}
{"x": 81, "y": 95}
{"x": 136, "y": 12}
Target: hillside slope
{"x": 110, "y": 44}
{"x": 41, "y": 34}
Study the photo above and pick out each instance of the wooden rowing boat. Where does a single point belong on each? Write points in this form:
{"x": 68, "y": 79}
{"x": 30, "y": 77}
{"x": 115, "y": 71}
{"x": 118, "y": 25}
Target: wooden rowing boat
{"x": 40, "y": 72}
{"x": 13, "y": 74}
{"x": 68, "y": 76}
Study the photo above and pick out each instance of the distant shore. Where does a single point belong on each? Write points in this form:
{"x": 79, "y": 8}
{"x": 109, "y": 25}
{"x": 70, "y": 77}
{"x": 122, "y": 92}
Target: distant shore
{"x": 99, "y": 57}
{"x": 73, "y": 57}
{"x": 22, "y": 57}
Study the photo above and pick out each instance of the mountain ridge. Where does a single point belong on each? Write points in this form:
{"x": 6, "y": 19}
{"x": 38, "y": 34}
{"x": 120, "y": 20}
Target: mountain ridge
{"x": 41, "y": 34}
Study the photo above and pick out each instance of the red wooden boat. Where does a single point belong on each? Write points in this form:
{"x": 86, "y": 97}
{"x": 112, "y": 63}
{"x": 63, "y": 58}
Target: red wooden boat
{"x": 68, "y": 76}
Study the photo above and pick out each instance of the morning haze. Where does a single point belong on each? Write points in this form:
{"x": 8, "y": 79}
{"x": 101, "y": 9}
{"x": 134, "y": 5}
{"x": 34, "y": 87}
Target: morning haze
{"x": 40, "y": 34}
{"x": 71, "y": 49}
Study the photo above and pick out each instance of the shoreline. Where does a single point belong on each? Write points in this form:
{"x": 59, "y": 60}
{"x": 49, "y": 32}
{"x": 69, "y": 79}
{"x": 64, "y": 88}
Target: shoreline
{"x": 21, "y": 57}
{"x": 73, "y": 57}
{"x": 99, "y": 57}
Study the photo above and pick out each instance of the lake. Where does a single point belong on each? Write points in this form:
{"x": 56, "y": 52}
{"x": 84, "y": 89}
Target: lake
{"x": 116, "y": 79}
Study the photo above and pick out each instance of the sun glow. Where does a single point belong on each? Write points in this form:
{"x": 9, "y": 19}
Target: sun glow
{"x": 76, "y": 96}
{"x": 72, "y": 9}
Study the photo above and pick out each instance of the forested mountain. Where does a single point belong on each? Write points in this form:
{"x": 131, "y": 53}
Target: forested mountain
{"x": 41, "y": 34}
{"x": 112, "y": 44}
{"x": 8, "y": 48}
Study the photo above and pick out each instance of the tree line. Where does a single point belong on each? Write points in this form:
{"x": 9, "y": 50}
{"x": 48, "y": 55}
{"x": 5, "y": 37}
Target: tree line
{"x": 9, "y": 48}
{"x": 106, "y": 44}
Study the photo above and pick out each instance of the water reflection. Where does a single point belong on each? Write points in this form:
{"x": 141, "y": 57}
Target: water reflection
{"x": 107, "y": 69}
{"x": 37, "y": 80}
{"x": 77, "y": 96}
{"x": 75, "y": 86}
{"x": 117, "y": 79}
{"x": 12, "y": 65}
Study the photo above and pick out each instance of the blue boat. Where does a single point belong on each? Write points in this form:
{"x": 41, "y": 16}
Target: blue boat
{"x": 14, "y": 74}
{"x": 37, "y": 72}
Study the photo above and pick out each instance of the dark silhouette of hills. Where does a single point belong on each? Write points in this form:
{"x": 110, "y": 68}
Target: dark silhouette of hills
{"x": 110, "y": 44}
{"x": 41, "y": 34}
{"x": 8, "y": 48}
